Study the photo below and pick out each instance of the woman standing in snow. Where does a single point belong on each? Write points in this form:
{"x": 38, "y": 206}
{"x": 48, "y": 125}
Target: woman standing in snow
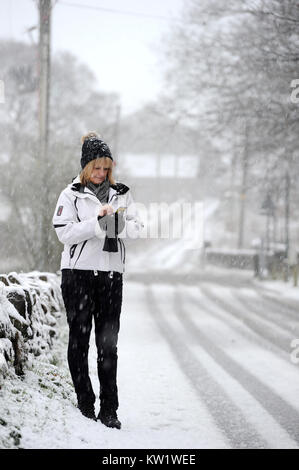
{"x": 92, "y": 218}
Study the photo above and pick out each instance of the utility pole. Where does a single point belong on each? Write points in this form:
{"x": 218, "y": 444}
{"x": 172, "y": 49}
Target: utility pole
{"x": 44, "y": 73}
{"x": 232, "y": 216}
{"x": 116, "y": 136}
{"x": 243, "y": 189}
{"x": 45, "y": 8}
{"x": 287, "y": 199}
{"x": 116, "y": 129}
{"x": 287, "y": 212}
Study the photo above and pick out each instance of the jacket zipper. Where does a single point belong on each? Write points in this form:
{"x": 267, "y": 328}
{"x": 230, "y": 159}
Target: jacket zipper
{"x": 73, "y": 247}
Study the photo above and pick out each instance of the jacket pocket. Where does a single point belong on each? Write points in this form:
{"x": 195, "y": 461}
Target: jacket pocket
{"x": 72, "y": 250}
{"x": 80, "y": 252}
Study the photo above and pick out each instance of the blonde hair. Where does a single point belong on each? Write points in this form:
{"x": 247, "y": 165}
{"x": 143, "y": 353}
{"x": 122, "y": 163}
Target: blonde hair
{"x": 88, "y": 169}
{"x": 104, "y": 161}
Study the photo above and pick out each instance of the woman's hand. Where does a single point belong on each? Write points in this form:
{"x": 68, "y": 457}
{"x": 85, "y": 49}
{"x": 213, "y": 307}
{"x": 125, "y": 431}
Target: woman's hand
{"x": 106, "y": 209}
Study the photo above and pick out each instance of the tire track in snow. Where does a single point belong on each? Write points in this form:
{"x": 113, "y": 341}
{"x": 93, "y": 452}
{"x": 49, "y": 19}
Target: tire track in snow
{"x": 234, "y": 333}
{"x": 286, "y": 415}
{"x": 226, "y": 414}
{"x": 291, "y": 310}
{"x": 261, "y": 306}
{"x": 236, "y": 324}
{"x": 190, "y": 278}
{"x": 262, "y": 327}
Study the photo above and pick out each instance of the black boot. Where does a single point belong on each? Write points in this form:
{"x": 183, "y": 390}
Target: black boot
{"x": 109, "y": 418}
{"x": 88, "y": 411}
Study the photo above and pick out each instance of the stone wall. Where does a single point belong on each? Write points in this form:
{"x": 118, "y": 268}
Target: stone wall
{"x": 30, "y": 305}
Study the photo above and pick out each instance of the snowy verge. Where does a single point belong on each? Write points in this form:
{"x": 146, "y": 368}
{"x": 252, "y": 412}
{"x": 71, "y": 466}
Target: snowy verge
{"x": 30, "y": 304}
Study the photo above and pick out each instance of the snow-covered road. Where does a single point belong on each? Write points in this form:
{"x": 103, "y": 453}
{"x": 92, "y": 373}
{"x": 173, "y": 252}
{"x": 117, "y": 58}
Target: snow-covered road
{"x": 204, "y": 362}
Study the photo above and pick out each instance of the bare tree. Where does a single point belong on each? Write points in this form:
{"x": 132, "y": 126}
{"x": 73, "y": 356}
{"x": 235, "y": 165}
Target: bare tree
{"x": 229, "y": 71}
{"x": 76, "y": 107}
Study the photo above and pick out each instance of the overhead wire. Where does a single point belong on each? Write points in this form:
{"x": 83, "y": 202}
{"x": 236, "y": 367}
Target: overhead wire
{"x": 116, "y": 11}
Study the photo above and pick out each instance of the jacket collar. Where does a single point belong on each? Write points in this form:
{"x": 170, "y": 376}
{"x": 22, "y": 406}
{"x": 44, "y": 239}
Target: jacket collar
{"x": 80, "y": 190}
{"x": 115, "y": 189}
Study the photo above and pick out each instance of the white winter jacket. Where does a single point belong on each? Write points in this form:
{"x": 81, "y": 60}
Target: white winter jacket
{"x": 76, "y": 223}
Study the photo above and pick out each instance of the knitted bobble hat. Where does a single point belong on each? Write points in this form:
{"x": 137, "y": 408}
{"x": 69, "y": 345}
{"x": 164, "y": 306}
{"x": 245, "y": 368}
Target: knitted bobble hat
{"x": 93, "y": 148}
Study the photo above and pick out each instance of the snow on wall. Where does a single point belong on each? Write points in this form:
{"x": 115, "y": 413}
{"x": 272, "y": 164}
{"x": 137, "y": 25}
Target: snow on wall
{"x": 30, "y": 304}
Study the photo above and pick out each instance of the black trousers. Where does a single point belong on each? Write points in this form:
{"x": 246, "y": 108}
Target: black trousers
{"x": 98, "y": 295}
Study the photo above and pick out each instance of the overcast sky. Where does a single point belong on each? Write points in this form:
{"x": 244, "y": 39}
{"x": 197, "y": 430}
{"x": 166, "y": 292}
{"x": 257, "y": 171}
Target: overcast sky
{"x": 122, "y": 49}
